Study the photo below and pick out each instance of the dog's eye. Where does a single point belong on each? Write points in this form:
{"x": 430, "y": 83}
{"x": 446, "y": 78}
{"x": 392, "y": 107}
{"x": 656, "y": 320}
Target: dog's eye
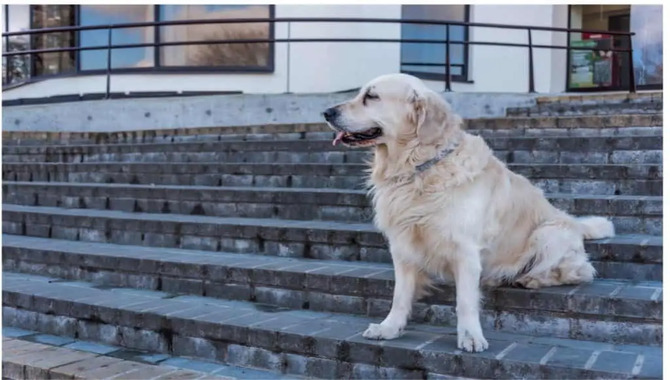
{"x": 369, "y": 96}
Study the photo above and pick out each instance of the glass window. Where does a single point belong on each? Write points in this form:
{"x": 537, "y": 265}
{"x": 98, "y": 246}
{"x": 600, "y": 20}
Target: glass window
{"x": 414, "y": 54}
{"x": 602, "y": 68}
{"x": 238, "y": 56}
{"x": 16, "y": 68}
{"x": 116, "y": 14}
{"x": 647, "y": 23}
{"x": 226, "y": 55}
{"x": 51, "y": 16}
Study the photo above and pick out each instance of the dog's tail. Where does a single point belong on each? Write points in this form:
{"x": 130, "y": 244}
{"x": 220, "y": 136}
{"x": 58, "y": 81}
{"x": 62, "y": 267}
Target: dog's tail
{"x": 596, "y": 227}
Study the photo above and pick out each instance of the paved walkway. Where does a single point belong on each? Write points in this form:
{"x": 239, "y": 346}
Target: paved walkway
{"x": 31, "y": 355}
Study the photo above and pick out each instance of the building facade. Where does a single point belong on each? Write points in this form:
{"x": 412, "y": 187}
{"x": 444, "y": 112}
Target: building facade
{"x": 318, "y": 67}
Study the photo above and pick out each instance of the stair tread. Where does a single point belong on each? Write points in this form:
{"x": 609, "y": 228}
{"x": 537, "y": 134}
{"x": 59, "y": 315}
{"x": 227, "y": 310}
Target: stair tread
{"x": 531, "y": 122}
{"x": 607, "y": 289}
{"x": 634, "y": 308}
{"x": 606, "y": 179}
{"x": 269, "y": 189}
{"x": 323, "y": 143}
{"x": 641, "y": 239}
{"x": 305, "y": 164}
{"x": 328, "y": 330}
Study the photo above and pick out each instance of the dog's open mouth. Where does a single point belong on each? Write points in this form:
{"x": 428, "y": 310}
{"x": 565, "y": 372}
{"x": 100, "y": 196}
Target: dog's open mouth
{"x": 358, "y": 138}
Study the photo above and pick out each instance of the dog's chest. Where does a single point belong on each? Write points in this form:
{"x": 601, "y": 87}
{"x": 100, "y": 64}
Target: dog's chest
{"x": 399, "y": 207}
{"x": 448, "y": 208}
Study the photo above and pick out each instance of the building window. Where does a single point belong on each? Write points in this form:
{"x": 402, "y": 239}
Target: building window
{"x": 237, "y": 55}
{"x": 647, "y": 23}
{"x": 16, "y": 68}
{"x": 434, "y": 55}
{"x": 52, "y": 16}
{"x": 601, "y": 69}
{"x": 116, "y": 14}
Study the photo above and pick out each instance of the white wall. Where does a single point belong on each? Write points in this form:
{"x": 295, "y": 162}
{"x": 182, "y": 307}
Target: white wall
{"x": 271, "y": 83}
{"x": 505, "y": 69}
{"x": 337, "y": 66}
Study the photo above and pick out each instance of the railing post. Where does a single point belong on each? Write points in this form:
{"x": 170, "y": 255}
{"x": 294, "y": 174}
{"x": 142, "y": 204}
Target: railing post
{"x": 631, "y": 70}
{"x": 447, "y": 64}
{"x": 288, "y": 57}
{"x": 8, "y": 71}
{"x": 531, "y": 71}
{"x": 109, "y": 61}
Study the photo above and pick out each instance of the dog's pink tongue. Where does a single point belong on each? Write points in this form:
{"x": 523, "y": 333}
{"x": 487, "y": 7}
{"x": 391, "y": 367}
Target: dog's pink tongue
{"x": 338, "y": 138}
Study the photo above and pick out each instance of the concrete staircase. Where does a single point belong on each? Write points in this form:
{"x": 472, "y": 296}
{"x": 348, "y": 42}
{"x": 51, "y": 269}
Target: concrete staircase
{"x": 253, "y": 247}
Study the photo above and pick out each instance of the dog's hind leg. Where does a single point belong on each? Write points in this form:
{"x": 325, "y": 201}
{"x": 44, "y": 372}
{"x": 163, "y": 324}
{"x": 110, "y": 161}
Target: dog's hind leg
{"x": 406, "y": 276}
{"x": 559, "y": 258}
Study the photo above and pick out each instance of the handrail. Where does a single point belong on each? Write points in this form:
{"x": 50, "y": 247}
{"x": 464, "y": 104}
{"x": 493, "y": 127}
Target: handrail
{"x": 447, "y": 41}
{"x": 269, "y": 40}
{"x": 75, "y": 28}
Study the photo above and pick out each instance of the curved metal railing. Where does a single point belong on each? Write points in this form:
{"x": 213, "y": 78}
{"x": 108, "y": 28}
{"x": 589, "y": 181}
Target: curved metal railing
{"x": 528, "y": 45}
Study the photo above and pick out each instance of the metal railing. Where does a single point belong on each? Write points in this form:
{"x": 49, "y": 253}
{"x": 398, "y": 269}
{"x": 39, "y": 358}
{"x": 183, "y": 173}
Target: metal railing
{"x": 528, "y": 45}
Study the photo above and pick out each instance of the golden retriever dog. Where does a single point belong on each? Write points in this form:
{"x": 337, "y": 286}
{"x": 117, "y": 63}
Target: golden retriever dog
{"x": 449, "y": 207}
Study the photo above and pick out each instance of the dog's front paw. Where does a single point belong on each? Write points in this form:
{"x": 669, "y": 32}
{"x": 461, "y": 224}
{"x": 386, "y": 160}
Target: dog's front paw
{"x": 470, "y": 342}
{"x": 382, "y": 331}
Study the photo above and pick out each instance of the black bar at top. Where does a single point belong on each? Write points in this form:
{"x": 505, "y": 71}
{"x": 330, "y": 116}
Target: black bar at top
{"x": 310, "y": 19}
{"x": 280, "y": 40}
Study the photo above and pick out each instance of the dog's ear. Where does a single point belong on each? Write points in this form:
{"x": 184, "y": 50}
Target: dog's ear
{"x": 430, "y": 114}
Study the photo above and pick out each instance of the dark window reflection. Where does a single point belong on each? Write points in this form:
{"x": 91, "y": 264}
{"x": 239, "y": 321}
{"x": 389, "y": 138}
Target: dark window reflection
{"x": 116, "y": 14}
{"x": 16, "y": 68}
{"x": 51, "y": 16}
{"x": 249, "y": 54}
{"x": 434, "y": 53}
{"x": 19, "y": 68}
{"x": 647, "y": 23}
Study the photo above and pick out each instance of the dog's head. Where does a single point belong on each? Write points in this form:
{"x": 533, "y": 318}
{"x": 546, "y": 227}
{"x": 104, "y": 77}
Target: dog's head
{"x": 395, "y": 108}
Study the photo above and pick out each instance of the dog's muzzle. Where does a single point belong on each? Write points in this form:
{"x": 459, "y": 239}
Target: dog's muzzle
{"x": 331, "y": 114}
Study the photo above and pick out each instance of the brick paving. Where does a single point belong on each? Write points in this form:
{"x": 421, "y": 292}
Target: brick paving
{"x": 32, "y": 355}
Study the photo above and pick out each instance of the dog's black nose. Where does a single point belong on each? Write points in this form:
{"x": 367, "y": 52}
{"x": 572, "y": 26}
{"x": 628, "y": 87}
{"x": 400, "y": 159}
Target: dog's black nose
{"x": 330, "y": 113}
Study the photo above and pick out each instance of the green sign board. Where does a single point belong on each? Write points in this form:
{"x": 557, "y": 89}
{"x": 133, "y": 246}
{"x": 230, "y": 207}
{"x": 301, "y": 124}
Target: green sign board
{"x": 582, "y": 64}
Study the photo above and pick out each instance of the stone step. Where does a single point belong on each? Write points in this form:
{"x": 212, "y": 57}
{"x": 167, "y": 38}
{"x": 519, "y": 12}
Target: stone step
{"x": 512, "y": 143}
{"x": 624, "y": 256}
{"x": 26, "y": 359}
{"x": 595, "y": 150}
{"x": 313, "y": 344}
{"x": 580, "y": 108}
{"x": 630, "y": 213}
{"x": 569, "y": 178}
{"x": 566, "y": 122}
{"x": 289, "y": 132}
{"x": 603, "y": 98}
{"x": 633, "y": 309}
{"x": 581, "y": 125}
{"x": 570, "y": 132}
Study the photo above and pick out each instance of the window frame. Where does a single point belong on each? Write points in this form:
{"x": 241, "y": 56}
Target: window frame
{"x": 464, "y": 76}
{"x": 156, "y": 68}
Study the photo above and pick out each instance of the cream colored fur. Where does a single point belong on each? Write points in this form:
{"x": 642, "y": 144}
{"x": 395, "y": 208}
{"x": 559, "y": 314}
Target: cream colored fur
{"x": 467, "y": 217}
